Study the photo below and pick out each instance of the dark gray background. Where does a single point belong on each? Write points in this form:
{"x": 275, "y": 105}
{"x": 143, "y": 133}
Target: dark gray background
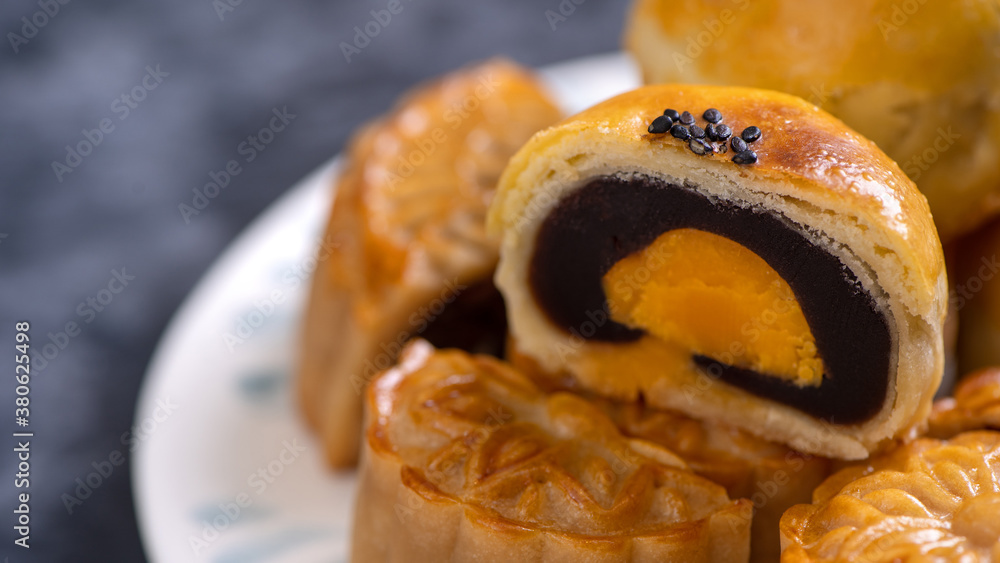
{"x": 119, "y": 207}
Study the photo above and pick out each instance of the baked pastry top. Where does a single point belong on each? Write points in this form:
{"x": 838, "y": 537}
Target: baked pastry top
{"x": 466, "y": 459}
{"x": 975, "y": 405}
{"x": 928, "y": 501}
{"x": 771, "y": 476}
{"x": 406, "y": 250}
{"x": 918, "y": 78}
{"x": 799, "y": 296}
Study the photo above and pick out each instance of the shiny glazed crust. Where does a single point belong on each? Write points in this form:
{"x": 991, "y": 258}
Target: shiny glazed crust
{"x": 773, "y": 477}
{"x": 918, "y": 78}
{"x": 407, "y": 229}
{"x": 927, "y": 501}
{"x": 974, "y": 406}
{"x": 466, "y": 460}
{"x": 814, "y": 171}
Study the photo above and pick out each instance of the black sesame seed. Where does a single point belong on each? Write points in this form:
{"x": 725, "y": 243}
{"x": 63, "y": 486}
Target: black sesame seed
{"x": 751, "y": 134}
{"x": 711, "y": 133}
{"x": 722, "y": 131}
{"x": 673, "y": 114}
{"x": 739, "y": 145}
{"x": 712, "y": 115}
{"x": 745, "y": 157}
{"x": 660, "y": 125}
{"x": 687, "y": 118}
{"x": 697, "y": 132}
{"x": 680, "y": 132}
{"x": 699, "y": 147}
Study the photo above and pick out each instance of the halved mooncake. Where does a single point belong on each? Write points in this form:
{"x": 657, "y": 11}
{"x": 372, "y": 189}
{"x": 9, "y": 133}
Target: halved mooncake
{"x": 734, "y": 254}
{"x": 927, "y": 501}
{"x": 465, "y": 459}
{"x": 407, "y": 249}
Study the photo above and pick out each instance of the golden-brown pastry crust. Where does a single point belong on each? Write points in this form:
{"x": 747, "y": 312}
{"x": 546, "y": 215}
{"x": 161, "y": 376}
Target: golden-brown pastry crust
{"x": 974, "y": 406}
{"x": 813, "y": 170}
{"x": 406, "y": 233}
{"x": 918, "y": 78}
{"x": 466, "y": 460}
{"x": 771, "y": 476}
{"x": 929, "y": 500}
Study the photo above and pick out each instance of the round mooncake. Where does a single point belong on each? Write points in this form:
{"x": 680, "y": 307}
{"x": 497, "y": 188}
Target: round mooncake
{"x": 771, "y": 476}
{"x": 975, "y": 405}
{"x": 465, "y": 459}
{"x": 927, "y": 501}
{"x": 921, "y": 79}
{"x": 405, "y": 251}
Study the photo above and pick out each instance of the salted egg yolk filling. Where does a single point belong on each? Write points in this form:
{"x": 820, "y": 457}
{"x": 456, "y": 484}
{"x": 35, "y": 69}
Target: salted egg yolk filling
{"x": 714, "y": 297}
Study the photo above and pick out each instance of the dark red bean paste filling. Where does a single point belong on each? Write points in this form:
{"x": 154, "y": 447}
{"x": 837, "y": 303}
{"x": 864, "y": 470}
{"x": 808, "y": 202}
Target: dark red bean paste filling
{"x": 610, "y": 217}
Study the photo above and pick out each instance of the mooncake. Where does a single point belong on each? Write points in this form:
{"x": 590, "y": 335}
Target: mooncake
{"x": 465, "y": 459}
{"x": 927, "y": 501}
{"x": 734, "y": 254}
{"x": 406, "y": 248}
{"x": 919, "y": 78}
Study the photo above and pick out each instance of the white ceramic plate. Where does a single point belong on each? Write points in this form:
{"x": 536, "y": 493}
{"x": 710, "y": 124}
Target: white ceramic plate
{"x": 226, "y": 471}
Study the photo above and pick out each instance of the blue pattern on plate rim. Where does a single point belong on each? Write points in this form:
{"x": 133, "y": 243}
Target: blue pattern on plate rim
{"x": 207, "y": 512}
{"x": 263, "y": 386}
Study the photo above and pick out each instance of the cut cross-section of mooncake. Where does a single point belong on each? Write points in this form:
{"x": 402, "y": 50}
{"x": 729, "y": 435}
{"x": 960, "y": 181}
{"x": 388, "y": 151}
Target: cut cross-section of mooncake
{"x": 465, "y": 459}
{"x": 735, "y": 254}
